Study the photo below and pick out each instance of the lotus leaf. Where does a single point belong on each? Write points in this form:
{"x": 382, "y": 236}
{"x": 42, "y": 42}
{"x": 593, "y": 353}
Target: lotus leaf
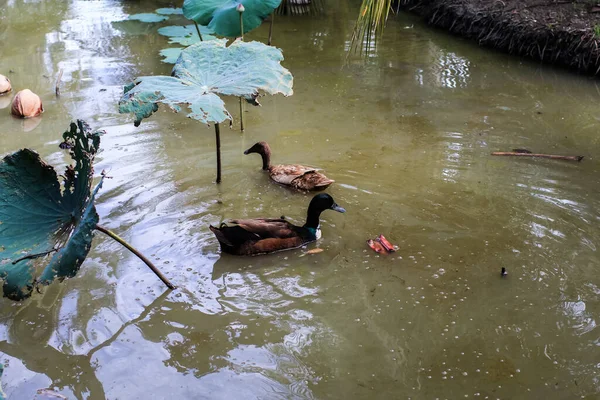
{"x": 206, "y": 69}
{"x": 186, "y": 35}
{"x": 223, "y": 18}
{"x": 169, "y": 11}
{"x": 40, "y": 216}
{"x": 171, "y": 54}
{"x": 148, "y": 17}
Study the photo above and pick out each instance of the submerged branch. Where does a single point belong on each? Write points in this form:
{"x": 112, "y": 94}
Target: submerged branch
{"x": 137, "y": 253}
{"x": 57, "y": 87}
{"x": 522, "y": 154}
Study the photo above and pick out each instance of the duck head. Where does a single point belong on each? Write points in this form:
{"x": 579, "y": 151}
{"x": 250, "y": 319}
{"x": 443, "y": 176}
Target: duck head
{"x": 318, "y": 204}
{"x": 264, "y": 150}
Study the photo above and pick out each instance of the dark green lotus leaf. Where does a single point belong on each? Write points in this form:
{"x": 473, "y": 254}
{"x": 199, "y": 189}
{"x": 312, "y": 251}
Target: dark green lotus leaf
{"x": 206, "y": 69}
{"x": 186, "y": 35}
{"x": 169, "y": 11}
{"x": 41, "y": 216}
{"x": 148, "y": 17}
{"x": 223, "y": 18}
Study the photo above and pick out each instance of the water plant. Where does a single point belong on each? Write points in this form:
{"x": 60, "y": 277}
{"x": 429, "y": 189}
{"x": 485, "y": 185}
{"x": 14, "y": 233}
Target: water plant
{"x": 42, "y": 215}
{"x": 205, "y": 70}
{"x": 223, "y": 18}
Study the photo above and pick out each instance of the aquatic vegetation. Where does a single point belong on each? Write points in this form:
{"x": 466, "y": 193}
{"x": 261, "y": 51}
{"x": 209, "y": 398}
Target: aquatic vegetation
{"x": 5, "y": 86}
{"x": 26, "y": 104}
{"x": 370, "y": 23}
{"x": 169, "y": 11}
{"x": 222, "y": 16}
{"x": 41, "y": 214}
{"x": 205, "y": 70}
{"x": 185, "y": 35}
{"x": 148, "y": 17}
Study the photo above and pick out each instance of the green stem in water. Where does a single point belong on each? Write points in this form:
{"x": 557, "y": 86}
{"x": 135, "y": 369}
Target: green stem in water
{"x": 242, "y": 25}
{"x": 241, "y": 100}
{"x": 271, "y": 27}
{"x": 242, "y": 114}
{"x": 218, "y": 138}
{"x": 137, "y": 253}
{"x": 198, "y": 30}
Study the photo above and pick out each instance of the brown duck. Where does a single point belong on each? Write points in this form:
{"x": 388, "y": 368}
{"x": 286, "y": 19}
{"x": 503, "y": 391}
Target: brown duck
{"x": 261, "y": 235}
{"x": 294, "y": 175}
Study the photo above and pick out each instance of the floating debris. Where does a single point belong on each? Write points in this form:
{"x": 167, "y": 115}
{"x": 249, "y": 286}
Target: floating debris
{"x": 26, "y": 104}
{"x": 376, "y": 246}
{"x": 381, "y": 245}
{"x": 315, "y": 251}
{"x": 503, "y": 273}
{"x": 5, "y": 86}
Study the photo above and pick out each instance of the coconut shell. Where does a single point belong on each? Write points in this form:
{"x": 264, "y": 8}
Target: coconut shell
{"x": 5, "y": 85}
{"x": 26, "y": 104}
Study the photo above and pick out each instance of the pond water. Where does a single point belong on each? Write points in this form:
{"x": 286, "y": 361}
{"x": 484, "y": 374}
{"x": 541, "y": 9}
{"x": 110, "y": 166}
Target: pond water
{"x": 406, "y": 133}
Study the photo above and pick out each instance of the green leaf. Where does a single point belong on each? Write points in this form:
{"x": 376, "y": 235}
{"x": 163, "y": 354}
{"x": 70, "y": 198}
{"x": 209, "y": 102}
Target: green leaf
{"x": 170, "y": 55}
{"x": 39, "y": 215}
{"x": 148, "y": 17}
{"x": 223, "y": 18}
{"x": 169, "y": 11}
{"x": 206, "y": 69}
{"x": 186, "y": 35}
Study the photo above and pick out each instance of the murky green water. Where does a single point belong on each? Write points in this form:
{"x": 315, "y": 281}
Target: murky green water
{"x": 406, "y": 134}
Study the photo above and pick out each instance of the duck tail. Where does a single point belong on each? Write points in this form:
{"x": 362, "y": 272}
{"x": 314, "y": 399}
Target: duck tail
{"x": 220, "y": 236}
{"x": 324, "y": 183}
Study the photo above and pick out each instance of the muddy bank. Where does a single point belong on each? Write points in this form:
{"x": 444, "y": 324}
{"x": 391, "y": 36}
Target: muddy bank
{"x": 565, "y": 33}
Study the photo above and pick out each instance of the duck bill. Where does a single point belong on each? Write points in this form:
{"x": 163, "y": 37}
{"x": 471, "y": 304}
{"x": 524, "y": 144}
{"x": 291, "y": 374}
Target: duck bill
{"x": 337, "y": 208}
{"x": 247, "y": 152}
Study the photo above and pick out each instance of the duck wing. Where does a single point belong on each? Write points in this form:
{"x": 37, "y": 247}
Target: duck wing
{"x": 312, "y": 180}
{"x": 285, "y": 174}
{"x": 265, "y": 228}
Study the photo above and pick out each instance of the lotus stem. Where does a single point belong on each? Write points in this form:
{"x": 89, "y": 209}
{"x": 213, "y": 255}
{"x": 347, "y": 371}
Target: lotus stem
{"x": 242, "y": 114}
{"x": 241, "y": 11}
{"x": 137, "y": 253}
{"x": 271, "y": 27}
{"x": 198, "y": 30}
{"x": 218, "y": 138}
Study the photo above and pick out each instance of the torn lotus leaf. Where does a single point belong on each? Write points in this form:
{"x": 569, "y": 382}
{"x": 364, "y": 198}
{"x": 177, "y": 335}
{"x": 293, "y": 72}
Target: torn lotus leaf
{"x": 42, "y": 214}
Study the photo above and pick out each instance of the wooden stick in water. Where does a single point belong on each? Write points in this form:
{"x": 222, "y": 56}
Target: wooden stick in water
{"x": 552, "y": 156}
{"x": 57, "y": 87}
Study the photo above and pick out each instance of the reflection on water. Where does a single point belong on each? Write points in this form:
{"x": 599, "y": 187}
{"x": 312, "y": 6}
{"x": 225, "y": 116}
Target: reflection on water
{"x": 406, "y": 133}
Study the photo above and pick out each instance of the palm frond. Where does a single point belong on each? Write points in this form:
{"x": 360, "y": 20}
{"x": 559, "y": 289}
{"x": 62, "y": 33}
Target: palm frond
{"x": 370, "y": 23}
{"x": 300, "y": 7}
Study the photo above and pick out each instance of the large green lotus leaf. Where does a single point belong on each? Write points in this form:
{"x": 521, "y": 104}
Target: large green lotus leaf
{"x": 186, "y": 35}
{"x": 206, "y": 69}
{"x": 39, "y": 215}
{"x": 222, "y": 16}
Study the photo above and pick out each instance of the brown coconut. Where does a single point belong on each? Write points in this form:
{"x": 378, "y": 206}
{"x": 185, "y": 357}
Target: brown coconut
{"x": 5, "y": 85}
{"x": 26, "y": 104}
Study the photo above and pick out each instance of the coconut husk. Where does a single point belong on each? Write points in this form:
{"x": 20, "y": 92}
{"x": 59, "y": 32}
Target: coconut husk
{"x": 26, "y": 104}
{"x": 5, "y": 85}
